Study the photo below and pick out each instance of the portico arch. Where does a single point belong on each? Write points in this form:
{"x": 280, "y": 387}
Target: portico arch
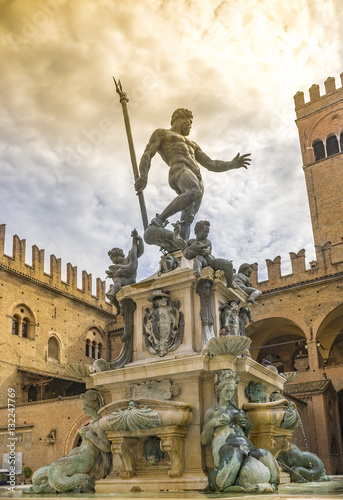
{"x": 330, "y": 337}
{"x": 280, "y": 340}
{"x": 73, "y": 436}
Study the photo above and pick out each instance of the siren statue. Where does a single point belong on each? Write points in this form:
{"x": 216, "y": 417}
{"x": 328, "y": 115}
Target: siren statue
{"x": 85, "y": 464}
{"x": 238, "y": 464}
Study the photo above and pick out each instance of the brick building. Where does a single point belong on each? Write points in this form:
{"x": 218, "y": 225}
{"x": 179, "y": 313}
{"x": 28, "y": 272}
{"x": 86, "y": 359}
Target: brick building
{"x": 46, "y": 323}
{"x": 299, "y": 320}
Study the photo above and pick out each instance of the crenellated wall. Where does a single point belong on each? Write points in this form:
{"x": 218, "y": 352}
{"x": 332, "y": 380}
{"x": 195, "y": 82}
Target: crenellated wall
{"x": 47, "y": 323}
{"x": 329, "y": 263}
{"x": 320, "y": 126}
{"x": 16, "y": 263}
{"x": 319, "y": 118}
{"x": 316, "y": 100}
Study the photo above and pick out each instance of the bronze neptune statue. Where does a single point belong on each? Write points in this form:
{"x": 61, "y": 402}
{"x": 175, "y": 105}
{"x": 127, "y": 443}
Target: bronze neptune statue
{"x": 182, "y": 157}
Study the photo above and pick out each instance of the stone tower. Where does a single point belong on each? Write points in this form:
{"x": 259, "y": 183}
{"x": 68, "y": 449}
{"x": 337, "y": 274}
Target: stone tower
{"x": 320, "y": 125}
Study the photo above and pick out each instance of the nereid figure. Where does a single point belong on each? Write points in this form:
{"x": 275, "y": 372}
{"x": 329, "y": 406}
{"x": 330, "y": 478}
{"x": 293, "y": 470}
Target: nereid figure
{"x": 84, "y": 464}
{"x": 239, "y": 466}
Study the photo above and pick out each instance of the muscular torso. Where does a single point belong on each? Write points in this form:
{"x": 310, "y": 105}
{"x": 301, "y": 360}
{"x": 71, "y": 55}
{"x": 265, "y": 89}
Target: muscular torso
{"x": 178, "y": 151}
{"x": 242, "y": 280}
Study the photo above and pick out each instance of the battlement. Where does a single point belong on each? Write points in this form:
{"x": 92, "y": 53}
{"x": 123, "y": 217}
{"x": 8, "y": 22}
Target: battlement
{"x": 317, "y": 101}
{"x": 36, "y": 272}
{"x": 329, "y": 262}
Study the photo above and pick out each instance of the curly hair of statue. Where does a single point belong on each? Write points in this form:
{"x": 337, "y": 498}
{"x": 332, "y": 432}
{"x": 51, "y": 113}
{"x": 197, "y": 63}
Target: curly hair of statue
{"x": 201, "y": 224}
{"x": 181, "y": 113}
{"x": 93, "y": 398}
{"x": 244, "y": 267}
{"x": 224, "y": 377}
{"x": 116, "y": 252}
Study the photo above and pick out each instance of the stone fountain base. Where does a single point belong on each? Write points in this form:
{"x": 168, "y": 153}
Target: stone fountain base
{"x": 181, "y": 380}
{"x": 185, "y": 460}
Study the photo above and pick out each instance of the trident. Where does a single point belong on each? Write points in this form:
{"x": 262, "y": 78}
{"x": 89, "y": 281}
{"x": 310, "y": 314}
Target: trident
{"x": 123, "y": 101}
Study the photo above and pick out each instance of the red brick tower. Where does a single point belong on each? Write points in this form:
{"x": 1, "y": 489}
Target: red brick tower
{"x": 320, "y": 125}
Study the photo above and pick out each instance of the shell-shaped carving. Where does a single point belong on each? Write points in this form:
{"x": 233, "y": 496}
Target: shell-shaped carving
{"x": 79, "y": 370}
{"x": 232, "y": 344}
{"x": 289, "y": 376}
{"x": 132, "y": 418}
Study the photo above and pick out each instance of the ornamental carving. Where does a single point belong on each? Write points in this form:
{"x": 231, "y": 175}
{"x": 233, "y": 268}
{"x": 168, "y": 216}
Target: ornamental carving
{"x": 163, "y": 324}
{"x": 153, "y": 389}
{"x": 132, "y": 418}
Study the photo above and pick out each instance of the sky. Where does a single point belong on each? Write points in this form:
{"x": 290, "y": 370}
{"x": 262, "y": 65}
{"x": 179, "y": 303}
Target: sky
{"x": 66, "y": 182}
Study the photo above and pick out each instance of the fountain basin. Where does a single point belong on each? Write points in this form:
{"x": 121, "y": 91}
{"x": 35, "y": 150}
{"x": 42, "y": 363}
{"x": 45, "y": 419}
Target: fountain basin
{"x": 271, "y": 413}
{"x": 271, "y": 427}
{"x": 170, "y": 412}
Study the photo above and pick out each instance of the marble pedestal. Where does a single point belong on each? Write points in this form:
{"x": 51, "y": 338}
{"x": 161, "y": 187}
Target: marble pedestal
{"x": 190, "y": 372}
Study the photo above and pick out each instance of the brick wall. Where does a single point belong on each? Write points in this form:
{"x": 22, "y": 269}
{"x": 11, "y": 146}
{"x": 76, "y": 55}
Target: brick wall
{"x": 34, "y": 421}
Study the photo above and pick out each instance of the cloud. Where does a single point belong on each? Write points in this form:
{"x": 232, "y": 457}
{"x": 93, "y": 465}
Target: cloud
{"x": 66, "y": 178}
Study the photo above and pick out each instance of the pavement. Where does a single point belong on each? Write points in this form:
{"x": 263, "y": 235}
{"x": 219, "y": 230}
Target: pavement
{"x": 330, "y": 490}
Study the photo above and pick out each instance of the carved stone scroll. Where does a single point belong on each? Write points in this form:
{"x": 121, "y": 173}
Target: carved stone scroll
{"x": 204, "y": 290}
{"x": 172, "y": 443}
{"x": 122, "y": 446}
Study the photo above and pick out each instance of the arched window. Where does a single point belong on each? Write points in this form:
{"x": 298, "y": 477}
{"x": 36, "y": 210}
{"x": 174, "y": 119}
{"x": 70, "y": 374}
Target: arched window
{"x": 23, "y": 321}
{"x": 319, "y": 150}
{"x": 341, "y": 141}
{"x": 24, "y": 327}
{"x": 15, "y": 325}
{"x": 32, "y": 394}
{"x": 88, "y": 348}
{"x": 332, "y": 145}
{"x": 53, "y": 349}
{"x": 94, "y": 343}
{"x": 94, "y": 349}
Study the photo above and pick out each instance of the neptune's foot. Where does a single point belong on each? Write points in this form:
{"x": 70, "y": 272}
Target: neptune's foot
{"x": 157, "y": 221}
